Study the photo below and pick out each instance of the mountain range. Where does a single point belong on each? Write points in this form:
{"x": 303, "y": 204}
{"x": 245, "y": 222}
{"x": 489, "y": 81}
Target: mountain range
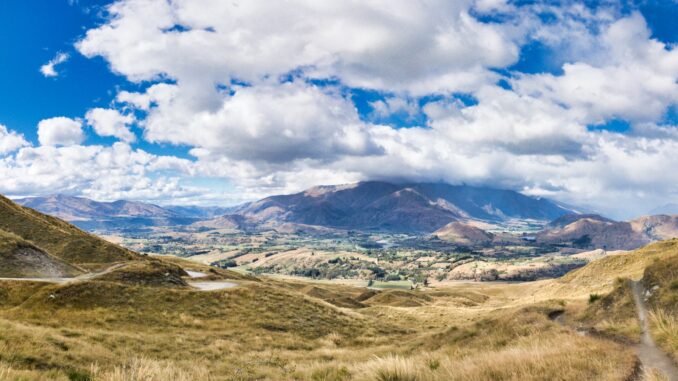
{"x": 89, "y": 214}
{"x": 455, "y": 213}
{"x": 382, "y": 206}
{"x": 389, "y": 207}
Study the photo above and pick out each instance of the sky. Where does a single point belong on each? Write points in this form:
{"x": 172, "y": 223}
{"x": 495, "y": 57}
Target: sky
{"x": 218, "y": 102}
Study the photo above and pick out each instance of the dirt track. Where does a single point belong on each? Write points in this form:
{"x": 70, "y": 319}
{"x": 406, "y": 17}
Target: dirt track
{"x": 648, "y": 352}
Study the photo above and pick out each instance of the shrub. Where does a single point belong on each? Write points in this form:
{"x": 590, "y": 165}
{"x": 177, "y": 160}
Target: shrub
{"x": 593, "y": 298}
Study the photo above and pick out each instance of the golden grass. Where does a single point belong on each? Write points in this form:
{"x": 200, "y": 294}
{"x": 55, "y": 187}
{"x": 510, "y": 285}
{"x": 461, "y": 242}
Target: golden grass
{"x": 652, "y": 374}
{"x": 59, "y": 238}
{"x": 664, "y": 327}
{"x": 560, "y": 357}
{"x": 284, "y": 330}
{"x": 145, "y": 369}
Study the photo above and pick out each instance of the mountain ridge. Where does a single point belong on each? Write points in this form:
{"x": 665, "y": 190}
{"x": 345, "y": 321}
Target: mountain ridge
{"x": 407, "y": 207}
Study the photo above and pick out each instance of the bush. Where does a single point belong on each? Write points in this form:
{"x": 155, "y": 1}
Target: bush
{"x": 593, "y": 298}
{"x": 225, "y": 264}
{"x": 76, "y": 375}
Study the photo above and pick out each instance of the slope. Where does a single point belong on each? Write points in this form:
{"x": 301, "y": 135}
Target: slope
{"x": 21, "y": 259}
{"x": 58, "y": 238}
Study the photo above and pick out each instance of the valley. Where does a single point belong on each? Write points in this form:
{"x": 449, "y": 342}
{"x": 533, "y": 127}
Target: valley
{"x": 323, "y": 307}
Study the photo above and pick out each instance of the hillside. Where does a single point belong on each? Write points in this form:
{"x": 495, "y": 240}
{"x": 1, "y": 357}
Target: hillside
{"x": 109, "y": 329}
{"x": 382, "y": 206}
{"x": 58, "y": 238}
{"x": 458, "y": 232}
{"x": 21, "y": 259}
{"x": 589, "y": 231}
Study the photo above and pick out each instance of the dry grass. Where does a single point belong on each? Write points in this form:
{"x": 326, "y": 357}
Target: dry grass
{"x": 559, "y": 357}
{"x": 653, "y": 375}
{"x": 664, "y": 328}
{"x": 144, "y": 369}
{"x": 283, "y": 330}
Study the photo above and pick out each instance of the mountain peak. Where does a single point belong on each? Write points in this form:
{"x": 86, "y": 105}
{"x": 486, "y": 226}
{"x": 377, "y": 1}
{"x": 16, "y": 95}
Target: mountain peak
{"x": 406, "y": 207}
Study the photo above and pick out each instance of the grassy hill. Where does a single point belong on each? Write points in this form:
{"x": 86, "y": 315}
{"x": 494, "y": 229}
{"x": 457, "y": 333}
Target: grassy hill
{"x": 20, "y": 258}
{"x": 58, "y": 238}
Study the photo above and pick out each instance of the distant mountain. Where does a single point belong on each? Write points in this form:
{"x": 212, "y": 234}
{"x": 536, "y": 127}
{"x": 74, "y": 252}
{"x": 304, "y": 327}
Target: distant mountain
{"x": 567, "y": 219}
{"x": 588, "y": 231}
{"x": 32, "y": 241}
{"x": 201, "y": 212}
{"x": 89, "y": 214}
{"x": 465, "y": 234}
{"x": 382, "y": 206}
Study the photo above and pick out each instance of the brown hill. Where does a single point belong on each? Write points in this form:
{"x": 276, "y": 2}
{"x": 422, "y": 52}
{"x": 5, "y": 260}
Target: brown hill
{"x": 592, "y": 231}
{"x": 21, "y": 259}
{"x": 464, "y": 234}
{"x": 58, "y": 238}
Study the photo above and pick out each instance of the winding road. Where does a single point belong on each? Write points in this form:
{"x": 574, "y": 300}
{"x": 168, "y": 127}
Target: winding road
{"x": 647, "y": 351}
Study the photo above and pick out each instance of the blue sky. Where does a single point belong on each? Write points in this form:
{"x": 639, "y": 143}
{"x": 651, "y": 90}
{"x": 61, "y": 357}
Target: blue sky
{"x": 218, "y": 118}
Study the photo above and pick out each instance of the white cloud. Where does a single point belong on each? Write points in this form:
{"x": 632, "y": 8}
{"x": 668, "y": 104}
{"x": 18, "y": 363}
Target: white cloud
{"x": 10, "y": 141}
{"x": 420, "y": 47}
{"x": 60, "y": 131}
{"x": 49, "y": 69}
{"x": 273, "y": 124}
{"x": 636, "y": 80}
{"x": 214, "y": 86}
{"x": 110, "y": 122}
{"x": 129, "y": 174}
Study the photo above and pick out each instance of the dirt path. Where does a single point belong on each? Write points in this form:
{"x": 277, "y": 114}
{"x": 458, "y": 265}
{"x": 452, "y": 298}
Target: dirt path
{"x": 648, "y": 352}
{"x": 86, "y": 276}
{"x": 202, "y": 286}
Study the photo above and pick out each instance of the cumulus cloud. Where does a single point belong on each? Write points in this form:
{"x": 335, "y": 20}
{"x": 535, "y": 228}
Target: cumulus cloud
{"x": 273, "y": 124}
{"x": 49, "y": 69}
{"x": 260, "y": 92}
{"x": 110, "y": 122}
{"x": 10, "y": 141}
{"x": 367, "y": 44}
{"x": 636, "y": 80}
{"x": 130, "y": 173}
{"x": 60, "y": 131}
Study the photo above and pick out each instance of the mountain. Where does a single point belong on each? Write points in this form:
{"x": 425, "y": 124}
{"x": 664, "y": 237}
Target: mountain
{"x": 465, "y": 234}
{"x": 27, "y": 236}
{"x": 593, "y": 231}
{"x": 91, "y": 215}
{"x": 79, "y": 208}
{"x": 568, "y": 219}
{"x": 201, "y": 212}
{"x": 382, "y": 206}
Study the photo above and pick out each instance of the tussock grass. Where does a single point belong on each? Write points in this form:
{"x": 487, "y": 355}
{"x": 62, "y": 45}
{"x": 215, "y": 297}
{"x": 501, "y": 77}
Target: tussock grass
{"x": 145, "y": 369}
{"x": 614, "y": 314}
{"x": 113, "y": 330}
{"x": 653, "y": 375}
{"x": 664, "y": 327}
{"x": 559, "y": 357}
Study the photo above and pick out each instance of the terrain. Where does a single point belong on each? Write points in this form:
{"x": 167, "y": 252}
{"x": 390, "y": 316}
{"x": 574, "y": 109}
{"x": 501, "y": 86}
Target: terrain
{"x": 117, "y": 215}
{"x": 395, "y": 208}
{"x": 594, "y": 231}
{"x": 139, "y": 318}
